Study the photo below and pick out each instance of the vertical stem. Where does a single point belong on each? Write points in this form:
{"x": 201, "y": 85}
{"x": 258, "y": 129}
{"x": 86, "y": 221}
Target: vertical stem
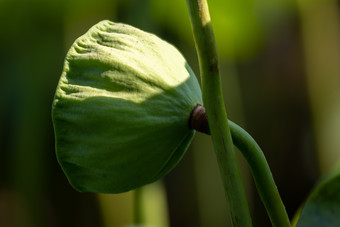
{"x": 217, "y": 117}
{"x": 138, "y": 215}
{"x": 258, "y": 164}
{"x": 150, "y": 206}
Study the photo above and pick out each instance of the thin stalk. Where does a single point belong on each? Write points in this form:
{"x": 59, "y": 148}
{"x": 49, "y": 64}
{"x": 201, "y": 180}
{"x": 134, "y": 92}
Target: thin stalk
{"x": 138, "y": 214}
{"x": 217, "y": 117}
{"x": 258, "y": 164}
{"x": 262, "y": 175}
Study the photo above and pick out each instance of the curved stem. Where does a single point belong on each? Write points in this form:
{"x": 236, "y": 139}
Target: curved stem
{"x": 262, "y": 175}
{"x": 258, "y": 164}
{"x": 217, "y": 117}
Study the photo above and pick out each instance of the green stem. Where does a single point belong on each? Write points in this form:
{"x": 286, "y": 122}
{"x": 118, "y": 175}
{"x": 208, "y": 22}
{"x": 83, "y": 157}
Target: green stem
{"x": 260, "y": 169}
{"x": 138, "y": 214}
{"x": 217, "y": 117}
{"x": 262, "y": 175}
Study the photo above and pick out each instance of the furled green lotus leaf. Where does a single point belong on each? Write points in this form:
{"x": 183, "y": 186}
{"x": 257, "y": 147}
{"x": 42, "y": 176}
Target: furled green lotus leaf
{"x": 121, "y": 109}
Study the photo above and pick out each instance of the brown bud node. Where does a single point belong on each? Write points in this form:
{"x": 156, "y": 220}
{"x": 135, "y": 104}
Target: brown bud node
{"x": 198, "y": 119}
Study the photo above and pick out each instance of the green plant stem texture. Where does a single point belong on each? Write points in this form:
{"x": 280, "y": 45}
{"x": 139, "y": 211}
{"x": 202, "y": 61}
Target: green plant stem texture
{"x": 217, "y": 117}
{"x": 262, "y": 176}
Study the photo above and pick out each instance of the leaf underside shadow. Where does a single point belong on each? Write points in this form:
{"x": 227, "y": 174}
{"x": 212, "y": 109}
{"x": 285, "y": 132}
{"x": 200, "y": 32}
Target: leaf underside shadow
{"x": 322, "y": 207}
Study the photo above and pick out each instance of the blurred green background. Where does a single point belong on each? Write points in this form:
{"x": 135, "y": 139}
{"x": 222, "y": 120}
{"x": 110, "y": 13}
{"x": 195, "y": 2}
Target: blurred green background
{"x": 280, "y": 65}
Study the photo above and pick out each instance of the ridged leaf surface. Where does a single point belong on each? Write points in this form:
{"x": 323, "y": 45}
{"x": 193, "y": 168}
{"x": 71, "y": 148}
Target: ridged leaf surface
{"x": 121, "y": 109}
